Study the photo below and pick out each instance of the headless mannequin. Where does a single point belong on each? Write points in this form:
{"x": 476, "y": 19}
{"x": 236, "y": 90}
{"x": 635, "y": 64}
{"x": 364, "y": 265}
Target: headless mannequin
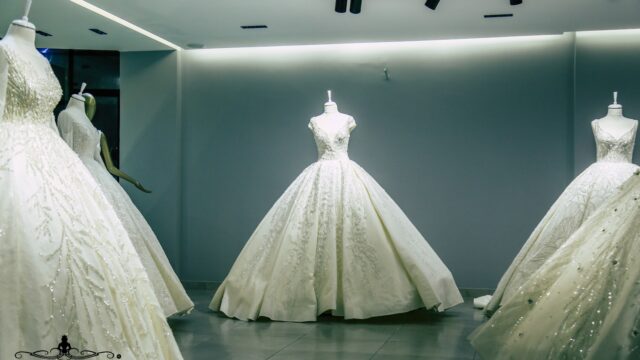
{"x": 615, "y": 124}
{"x": 21, "y": 38}
{"x": 82, "y": 107}
{"x": 332, "y": 119}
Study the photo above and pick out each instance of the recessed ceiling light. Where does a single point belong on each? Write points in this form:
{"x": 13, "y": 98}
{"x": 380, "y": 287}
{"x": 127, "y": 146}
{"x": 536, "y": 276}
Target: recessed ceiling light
{"x": 43, "y": 33}
{"x": 490, "y": 16}
{"x": 195, "y": 46}
{"x": 125, "y": 23}
{"x": 254, "y": 26}
{"x": 98, "y": 31}
{"x": 515, "y": 2}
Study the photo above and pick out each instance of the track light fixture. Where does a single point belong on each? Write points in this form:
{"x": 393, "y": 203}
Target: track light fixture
{"x": 515, "y": 2}
{"x": 433, "y": 4}
{"x": 356, "y": 6}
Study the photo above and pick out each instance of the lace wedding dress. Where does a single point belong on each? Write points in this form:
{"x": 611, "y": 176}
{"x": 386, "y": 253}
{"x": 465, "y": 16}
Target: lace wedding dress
{"x": 335, "y": 241}
{"x": 579, "y": 201}
{"x": 76, "y": 129}
{"x": 67, "y": 266}
{"x": 584, "y": 302}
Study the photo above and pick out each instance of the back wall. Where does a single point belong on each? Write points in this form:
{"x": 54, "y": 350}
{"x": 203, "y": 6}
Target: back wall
{"x": 474, "y": 139}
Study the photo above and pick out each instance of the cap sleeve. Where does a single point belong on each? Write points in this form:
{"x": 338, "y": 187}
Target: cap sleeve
{"x": 352, "y": 123}
{"x": 310, "y": 125}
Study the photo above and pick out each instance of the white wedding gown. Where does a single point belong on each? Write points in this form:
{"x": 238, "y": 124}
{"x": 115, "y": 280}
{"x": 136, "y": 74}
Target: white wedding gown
{"x": 84, "y": 139}
{"x": 67, "y": 266}
{"x": 335, "y": 241}
{"x": 577, "y": 203}
{"x": 584, "y": 302}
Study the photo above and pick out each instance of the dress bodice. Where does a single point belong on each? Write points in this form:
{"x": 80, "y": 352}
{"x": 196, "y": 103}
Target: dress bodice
{"x": 611, "y": 148}
{"x": 32, "y": 89}
{"x": 78, "y": 131}
{"x": 332, "y": 136}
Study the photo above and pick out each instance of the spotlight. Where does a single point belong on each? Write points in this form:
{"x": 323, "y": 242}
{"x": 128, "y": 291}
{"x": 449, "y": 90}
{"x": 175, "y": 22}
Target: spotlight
{"x": 356, "y": 6}
{"x": 433, "y": 4}
{"x": 341, "y": 6}
{"x": 515, "y": 2}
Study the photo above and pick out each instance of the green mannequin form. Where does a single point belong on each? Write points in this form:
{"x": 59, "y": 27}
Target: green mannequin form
{"x": 90, "y": 109}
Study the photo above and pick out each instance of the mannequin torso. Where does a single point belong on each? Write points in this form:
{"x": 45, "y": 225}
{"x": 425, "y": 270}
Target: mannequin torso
{"x": 21, "y": 39}
{"x": 331, "y": 131}
{"x": 615, "y": 124}
{"x": 76, "y": 105}
{"x": 332, "y": 120}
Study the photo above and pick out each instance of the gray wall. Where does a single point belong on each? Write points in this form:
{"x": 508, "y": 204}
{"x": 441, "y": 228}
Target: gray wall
{"x": 473, "y": 139}
{"x": 150, "y": 144}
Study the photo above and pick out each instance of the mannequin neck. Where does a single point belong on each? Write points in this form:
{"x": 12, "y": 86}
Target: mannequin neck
{"x": 615, "y": 112}
{"x": 21, "y": 34}
{"x": 75, "y": 104}
{"x": 330, "y": 108}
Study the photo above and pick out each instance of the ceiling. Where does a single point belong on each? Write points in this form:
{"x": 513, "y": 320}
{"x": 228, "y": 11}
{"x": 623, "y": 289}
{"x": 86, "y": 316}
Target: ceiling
{"x": 69, "y": 24}
{"x": 216, "y": 23}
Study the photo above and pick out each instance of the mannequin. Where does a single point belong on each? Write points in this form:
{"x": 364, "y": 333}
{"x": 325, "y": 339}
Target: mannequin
{"x": 90, "y": 111}
{"x": 334, "y": 222}
{"x": 78, "y": 108}
{"x": 89, "y": 143}
{"x": 21, "y": 36}
{"x": 615, "y": 123}
{"x": 22, "y": 33}
{"x": 67, "y": 262}
{"x": 332, "y": 118}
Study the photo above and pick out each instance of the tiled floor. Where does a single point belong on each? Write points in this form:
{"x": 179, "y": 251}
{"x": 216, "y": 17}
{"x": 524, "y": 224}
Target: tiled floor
{"x": 418, "y": 335}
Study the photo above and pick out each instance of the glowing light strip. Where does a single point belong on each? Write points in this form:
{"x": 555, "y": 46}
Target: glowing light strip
{"x": 383, "y": 45}
{"x": 125, "y": 23}
{"x": 622, "y": 32}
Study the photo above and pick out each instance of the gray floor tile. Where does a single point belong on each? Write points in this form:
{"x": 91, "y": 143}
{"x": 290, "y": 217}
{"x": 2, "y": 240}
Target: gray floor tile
{"x": 360, "y": 346}
{"x": 319, "y": 355}
{"x": 417, "y": 335}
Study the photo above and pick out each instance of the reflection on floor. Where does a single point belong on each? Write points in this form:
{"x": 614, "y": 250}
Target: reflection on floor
{"x": 417, "y": 335}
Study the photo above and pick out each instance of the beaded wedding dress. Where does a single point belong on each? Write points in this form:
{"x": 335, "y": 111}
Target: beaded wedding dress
{"x": 576, "y": 204}
{"x": 334, "y": 241}
{"x": 76, "y": 129}
{"x": 67, "y": 266}
{"x": 584, "y": 302}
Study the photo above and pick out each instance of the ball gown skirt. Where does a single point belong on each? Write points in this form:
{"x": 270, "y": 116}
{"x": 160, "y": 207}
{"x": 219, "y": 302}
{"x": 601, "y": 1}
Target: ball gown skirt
{"x": 581, "y": 199}
{"x": 84, "y": 139}
{"x": 335, "y": 241}
{"x": 584, "y": 302}
{"x": 168, "y": 288}
{"x": 67, "y": 266}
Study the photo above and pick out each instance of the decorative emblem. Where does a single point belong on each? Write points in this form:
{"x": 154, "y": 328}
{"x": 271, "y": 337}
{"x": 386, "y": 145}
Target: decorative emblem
{"x": 66, "y": 351}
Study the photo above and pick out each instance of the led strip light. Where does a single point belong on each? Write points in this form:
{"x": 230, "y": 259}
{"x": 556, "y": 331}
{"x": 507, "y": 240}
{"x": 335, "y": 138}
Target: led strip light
{"x": 125, "y": 23}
